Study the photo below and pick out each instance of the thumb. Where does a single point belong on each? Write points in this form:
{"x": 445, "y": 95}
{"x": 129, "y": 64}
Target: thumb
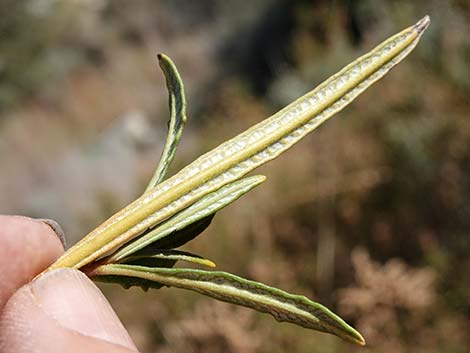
{"x": 61, "y": 311}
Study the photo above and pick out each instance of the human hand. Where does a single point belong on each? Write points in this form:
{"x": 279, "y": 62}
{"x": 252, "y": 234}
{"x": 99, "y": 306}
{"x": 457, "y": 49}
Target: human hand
{"x": 60, "y": 311}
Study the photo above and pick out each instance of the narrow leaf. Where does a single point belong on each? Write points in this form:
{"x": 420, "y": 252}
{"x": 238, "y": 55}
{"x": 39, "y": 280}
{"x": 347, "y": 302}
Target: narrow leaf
{"x": 128, "y": 282}
{"x": 153, "y": 253}
{"x": 201, "y": 210}
{"x": 182, "y": 236}
{"x": 229, "y": 288}
{"x": 177, "y": 103}
{"x": 240, "y": 155}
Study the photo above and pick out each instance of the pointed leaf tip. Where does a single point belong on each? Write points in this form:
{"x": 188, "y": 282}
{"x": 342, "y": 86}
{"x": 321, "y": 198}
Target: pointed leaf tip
{"x": 422, "y": 24}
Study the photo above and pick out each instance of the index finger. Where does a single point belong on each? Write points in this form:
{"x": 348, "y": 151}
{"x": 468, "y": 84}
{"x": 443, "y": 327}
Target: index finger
{"x": 27, "y": 246}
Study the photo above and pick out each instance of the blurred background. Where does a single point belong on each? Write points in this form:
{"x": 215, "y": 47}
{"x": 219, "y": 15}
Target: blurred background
{"x": 369, "y": 215}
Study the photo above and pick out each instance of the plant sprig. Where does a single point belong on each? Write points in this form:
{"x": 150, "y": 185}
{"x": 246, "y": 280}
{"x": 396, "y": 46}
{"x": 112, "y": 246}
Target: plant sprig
{"x": 137, "y": 245}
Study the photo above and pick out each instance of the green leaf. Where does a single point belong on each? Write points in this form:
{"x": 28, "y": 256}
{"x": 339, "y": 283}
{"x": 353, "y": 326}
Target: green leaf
{"x": 177, "y": 103}
{"x": 229, "y": 288}
{"x": 182, "y": 236}
{"x": 128, "y": 282}
{"x": 166, "y": 234}
{"x": 153, "y": 253}
{"x": 149, "y": 261}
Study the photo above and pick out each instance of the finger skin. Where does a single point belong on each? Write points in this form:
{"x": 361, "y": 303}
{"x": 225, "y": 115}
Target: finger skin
{"x": 27, "y": 247}
{"x": 26, "y": 328}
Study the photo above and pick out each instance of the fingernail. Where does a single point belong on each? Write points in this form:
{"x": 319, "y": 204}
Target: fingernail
{"x": 56, "y": 228}
{"x": 76, "y": 303}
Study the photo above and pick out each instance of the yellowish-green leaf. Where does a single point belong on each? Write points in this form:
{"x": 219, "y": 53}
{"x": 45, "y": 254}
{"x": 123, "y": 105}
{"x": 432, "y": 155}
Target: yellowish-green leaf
{"x": 229, "y": 288}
